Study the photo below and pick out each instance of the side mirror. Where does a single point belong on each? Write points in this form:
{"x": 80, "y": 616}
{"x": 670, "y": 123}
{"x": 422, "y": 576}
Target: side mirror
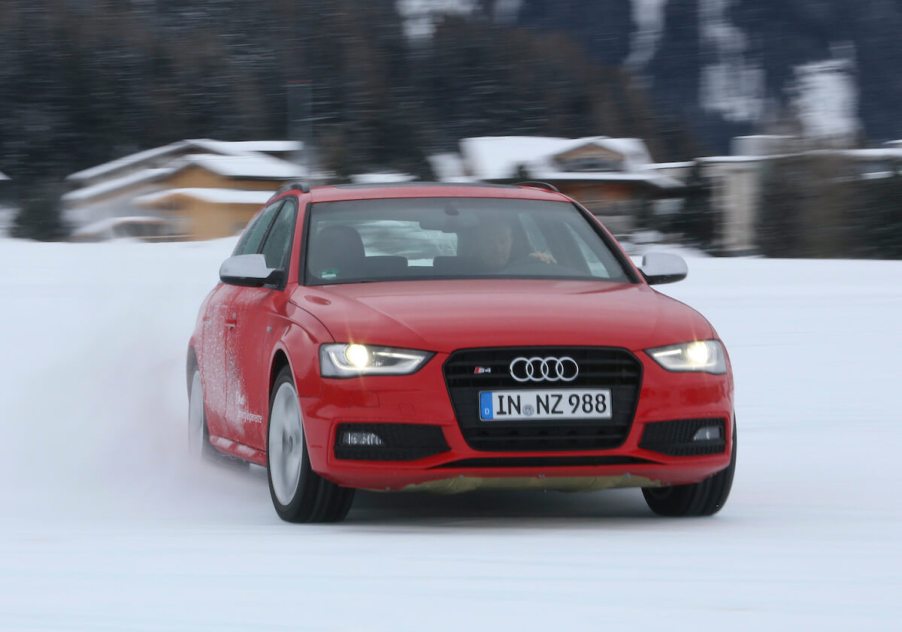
{"x": 660, "y": 267}
{"x": 248, "y": 270}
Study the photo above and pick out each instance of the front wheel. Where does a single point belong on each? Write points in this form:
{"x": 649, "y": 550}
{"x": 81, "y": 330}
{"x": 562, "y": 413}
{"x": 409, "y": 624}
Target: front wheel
{"x": 698, "y": 499}
{"x": 298, "y": 493}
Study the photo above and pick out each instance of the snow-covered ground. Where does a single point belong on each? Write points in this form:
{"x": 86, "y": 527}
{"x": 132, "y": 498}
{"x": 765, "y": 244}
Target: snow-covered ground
{"x": 105, "y": 525}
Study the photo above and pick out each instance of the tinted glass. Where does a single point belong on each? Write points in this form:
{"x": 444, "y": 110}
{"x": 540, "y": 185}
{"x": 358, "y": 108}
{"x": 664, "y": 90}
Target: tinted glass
{"x": 278, "y": 242}
{"x": 423, "y": 238}
{"x": 253, "y": 235}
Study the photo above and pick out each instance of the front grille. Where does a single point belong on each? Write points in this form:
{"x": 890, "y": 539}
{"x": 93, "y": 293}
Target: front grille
{"x": 400, "y": 442}
{"x": 470, "y": 371}
{"x": 674, "y": 438}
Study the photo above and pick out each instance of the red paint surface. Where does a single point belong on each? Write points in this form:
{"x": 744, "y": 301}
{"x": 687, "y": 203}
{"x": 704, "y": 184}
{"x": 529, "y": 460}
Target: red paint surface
{"x": 241, "y": 330}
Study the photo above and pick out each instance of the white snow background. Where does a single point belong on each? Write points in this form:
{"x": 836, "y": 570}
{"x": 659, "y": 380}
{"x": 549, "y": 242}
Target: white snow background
{"x": 106, "y": 525}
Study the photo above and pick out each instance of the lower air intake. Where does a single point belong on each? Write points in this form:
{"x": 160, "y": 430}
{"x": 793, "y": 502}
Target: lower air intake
{"x": 685, "y": 437}
{"x": 388, "y": 442}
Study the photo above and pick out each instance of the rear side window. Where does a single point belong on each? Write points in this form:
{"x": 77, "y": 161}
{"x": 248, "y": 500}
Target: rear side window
{"x": 253, "y": 235}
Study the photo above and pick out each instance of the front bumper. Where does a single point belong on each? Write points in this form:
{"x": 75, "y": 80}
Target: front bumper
{"x": 423, "y": 399}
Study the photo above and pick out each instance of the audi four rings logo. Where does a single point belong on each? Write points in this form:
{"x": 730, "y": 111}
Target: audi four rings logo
{"x": 550, "y": 369}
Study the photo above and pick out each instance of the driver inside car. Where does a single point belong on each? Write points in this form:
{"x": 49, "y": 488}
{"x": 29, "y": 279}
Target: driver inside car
{"x": 495, "y": 246}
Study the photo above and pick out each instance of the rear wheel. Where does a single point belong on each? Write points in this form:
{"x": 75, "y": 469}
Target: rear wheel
{"x": 298, "y": 493}
{"x": 699, "y": 499}
{"x": 198, "y": 435}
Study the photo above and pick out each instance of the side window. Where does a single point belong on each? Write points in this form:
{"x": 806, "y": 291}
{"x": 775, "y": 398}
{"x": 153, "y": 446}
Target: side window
{"x": 253, "y": 235}
{"x": 278, "y": 242}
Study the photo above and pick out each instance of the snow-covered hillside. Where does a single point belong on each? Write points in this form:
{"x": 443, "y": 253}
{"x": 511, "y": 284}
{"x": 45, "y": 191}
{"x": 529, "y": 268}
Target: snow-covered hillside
{"x": 105, "y": 525}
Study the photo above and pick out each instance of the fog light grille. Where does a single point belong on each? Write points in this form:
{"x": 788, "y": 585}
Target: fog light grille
{"x": 354, "y": 438}
{"x": 685, "y": 437}
{"x": 388, "y": 442}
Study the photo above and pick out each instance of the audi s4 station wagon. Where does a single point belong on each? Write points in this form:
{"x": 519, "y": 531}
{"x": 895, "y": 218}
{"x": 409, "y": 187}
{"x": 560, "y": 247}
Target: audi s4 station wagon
{"x": 450, "y": 338}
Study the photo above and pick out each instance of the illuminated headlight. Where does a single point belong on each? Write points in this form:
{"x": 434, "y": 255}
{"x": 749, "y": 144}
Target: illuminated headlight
{"x": 351, "y": 360}
{"x": 701, "y": 355}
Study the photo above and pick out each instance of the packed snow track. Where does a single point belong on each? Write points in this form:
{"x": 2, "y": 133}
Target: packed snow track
{"x": 106, "y": 523}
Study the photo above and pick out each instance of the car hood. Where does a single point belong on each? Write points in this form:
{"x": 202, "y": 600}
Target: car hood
{"x": 447, "y": 315}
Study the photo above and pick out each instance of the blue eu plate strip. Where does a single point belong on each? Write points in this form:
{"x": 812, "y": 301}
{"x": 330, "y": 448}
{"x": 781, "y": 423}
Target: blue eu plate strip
{"x": 486, "y": 409}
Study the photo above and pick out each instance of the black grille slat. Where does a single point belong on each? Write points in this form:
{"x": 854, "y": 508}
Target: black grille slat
{"x": 599, "y": 367}
{"x": 597, "y": 378}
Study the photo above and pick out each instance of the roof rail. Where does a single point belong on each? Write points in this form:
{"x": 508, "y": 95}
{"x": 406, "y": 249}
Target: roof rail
{"x": 536, "y": 184}
{"x": 303, "y": 187}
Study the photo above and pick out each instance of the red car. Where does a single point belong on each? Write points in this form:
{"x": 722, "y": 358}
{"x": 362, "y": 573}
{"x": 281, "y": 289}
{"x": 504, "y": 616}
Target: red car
{"x": 455, "y": 337}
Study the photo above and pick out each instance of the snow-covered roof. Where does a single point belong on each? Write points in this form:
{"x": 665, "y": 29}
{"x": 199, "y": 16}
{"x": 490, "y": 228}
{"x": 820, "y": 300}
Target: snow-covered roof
{"x": 3, "y": 176}
{"x": 383, "y": 177}
{"x": 501, "y": 157}
{"x": 672, "y": 165}
{"x": 219, "y": 196}
{"x": 111, "y": 186}
{"x": 648, "y": 176}
{"x": 447, "y": 166}
{"x": 737, "y": 159}
{"x": 249, "y": 165}
{"x": 110, "y": 223}
{"x": 878, "y": 175}
{"x": 262, "y": 146}
{"x": 882, "y": 153}
{"x": 498, "y": 157}
{"x": 878, "y": 153}
{"x": 201, "y": 144}
{"x": 126, "y": 161}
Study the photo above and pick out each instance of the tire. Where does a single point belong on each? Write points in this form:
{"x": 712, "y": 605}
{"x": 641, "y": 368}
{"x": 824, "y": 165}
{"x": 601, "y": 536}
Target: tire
{"x": 198, "y": 435}
{"x": 298, "y": 493}
{"x": 699, "y": 499}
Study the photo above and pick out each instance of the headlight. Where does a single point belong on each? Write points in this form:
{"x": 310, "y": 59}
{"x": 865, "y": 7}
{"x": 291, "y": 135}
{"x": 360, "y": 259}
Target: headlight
{"x": 700, "y": 355}
{"x": 350, "y": 360}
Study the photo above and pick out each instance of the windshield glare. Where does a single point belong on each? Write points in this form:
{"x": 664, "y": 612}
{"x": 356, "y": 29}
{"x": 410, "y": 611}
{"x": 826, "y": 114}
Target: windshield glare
{"x": 454, "y": 238}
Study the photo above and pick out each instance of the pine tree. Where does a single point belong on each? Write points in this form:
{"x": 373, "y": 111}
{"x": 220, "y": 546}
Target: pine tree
{"x": 40, "y": 217}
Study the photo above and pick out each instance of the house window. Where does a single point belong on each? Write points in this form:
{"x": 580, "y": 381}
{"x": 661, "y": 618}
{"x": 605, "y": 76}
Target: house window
{"x": 590, "y": 163}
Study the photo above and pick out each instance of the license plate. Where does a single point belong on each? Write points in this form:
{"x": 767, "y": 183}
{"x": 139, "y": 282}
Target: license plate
{"x": 562, "y": 404}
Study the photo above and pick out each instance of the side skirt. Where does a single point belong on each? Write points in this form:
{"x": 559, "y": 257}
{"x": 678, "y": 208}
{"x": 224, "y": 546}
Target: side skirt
{"x": 238, "y": 450}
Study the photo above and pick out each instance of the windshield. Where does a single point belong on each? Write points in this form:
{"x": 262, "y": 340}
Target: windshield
{"x": 457, "y": 238}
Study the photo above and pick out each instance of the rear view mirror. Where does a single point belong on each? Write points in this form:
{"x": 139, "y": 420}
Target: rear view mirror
{"x": 660, "y": 267}
{"x": 451, "y": 221}
{"x": 248, "y": 270}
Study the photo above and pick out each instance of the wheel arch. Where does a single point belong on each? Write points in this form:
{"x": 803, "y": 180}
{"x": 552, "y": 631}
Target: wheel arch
{"x": 278, "y": 362}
